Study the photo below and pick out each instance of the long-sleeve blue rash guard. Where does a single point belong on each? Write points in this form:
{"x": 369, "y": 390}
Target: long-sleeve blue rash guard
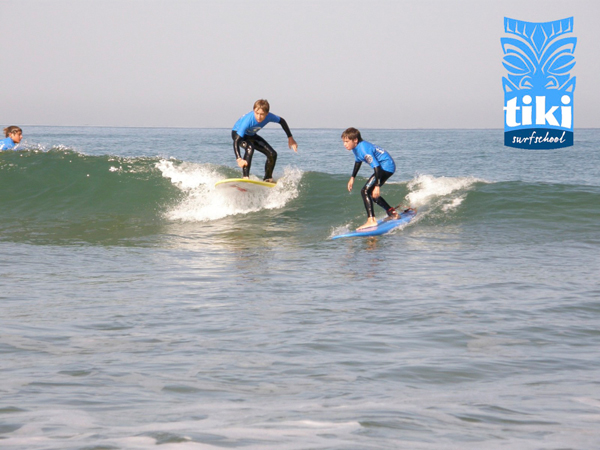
{"x": 247, "y": 125}
{"x": 7, "y": 144}
{"x": 373, "y": 155}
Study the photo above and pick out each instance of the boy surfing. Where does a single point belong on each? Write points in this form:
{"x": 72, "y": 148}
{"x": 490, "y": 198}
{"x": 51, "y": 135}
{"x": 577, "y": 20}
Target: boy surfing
{"x": 13, "y": 135}
{"x": 383, "y": 166}
{"x": 244, "y": 136}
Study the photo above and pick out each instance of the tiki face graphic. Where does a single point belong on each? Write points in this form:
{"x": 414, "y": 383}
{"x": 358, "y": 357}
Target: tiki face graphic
{"x": 538, "y": 90}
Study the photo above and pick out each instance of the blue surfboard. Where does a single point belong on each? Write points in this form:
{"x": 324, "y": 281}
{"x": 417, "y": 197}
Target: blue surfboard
{"x": 383, "y": 225}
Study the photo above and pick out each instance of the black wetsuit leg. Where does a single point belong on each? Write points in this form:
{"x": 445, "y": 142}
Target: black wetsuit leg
{"x": 258, "y": 143}
{"x": 367, "y": 193}
{"x": 249, "y": 144}
{"x": 243, "y": 143}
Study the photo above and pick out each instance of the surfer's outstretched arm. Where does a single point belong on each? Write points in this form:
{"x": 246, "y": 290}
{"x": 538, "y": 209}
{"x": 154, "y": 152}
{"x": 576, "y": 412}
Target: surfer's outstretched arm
{"x": 291, "y": 141}
{"x": 354, "y": 173}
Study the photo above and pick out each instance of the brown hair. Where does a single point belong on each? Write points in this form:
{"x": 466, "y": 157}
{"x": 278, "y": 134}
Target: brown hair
{"x": 262, "y": 104}
{"x": 351, "y": 134}
{"x": 12, "y": 129}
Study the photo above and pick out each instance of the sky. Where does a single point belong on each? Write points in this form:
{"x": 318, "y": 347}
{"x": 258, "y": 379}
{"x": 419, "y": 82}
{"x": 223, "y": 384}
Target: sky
{"x": 320, "y": 64}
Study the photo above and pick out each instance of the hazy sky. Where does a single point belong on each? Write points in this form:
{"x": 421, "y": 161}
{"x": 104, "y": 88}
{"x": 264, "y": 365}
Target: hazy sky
{"x": 323, "y": 64}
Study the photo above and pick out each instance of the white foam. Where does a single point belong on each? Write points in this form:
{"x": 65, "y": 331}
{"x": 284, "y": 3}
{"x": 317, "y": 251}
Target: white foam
{"x": 203, "y": 202}
{"x": 454, "y": 203}
{"x": 340, "y": 230}
{"x": 447, "y": 192}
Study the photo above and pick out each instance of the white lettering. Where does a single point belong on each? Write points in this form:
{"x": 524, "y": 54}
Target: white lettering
{"x": 511, "y": 109}
{"x": 527, "y": 110}
{"x": 567, "y": 116}
{"x": 541, "y": 115}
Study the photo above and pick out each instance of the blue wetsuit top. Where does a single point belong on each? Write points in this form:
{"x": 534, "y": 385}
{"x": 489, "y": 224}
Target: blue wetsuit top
{"x": 7, "y": 144}
{"x": 248, "y": 126}
{"x": 374, "y": 156}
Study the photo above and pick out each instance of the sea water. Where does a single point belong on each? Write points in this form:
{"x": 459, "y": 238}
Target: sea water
{"x": 139, "y": 306}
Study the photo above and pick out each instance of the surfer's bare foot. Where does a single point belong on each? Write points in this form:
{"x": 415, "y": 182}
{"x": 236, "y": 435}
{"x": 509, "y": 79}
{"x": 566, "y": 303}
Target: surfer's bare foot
{"x": 269, "y": 180}
{"x": 372, "y": 222}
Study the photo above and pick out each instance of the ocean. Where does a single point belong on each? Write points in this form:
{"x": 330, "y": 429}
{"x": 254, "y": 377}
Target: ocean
{"x": 139, "y": 306}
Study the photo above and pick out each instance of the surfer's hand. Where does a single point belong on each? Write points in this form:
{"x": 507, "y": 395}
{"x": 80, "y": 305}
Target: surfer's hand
{"x": 350, "y": 184}
{"x": 292, "y": 144}
{"x": 241, "y": 162}
{"x": 376, "y": 192}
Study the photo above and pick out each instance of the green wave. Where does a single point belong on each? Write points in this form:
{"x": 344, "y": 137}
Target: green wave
{"x": 62, "y": 196}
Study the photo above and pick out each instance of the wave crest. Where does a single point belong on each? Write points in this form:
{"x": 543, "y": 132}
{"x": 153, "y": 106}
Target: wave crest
{"x": 202, "y": 202}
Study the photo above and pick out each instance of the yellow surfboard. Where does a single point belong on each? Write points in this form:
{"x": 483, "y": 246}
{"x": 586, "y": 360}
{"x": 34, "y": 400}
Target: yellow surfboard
{"x": 243, "y": 184}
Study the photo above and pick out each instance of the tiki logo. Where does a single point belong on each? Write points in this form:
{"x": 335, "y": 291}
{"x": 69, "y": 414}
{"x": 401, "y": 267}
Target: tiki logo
{"x": 538, "y": 91}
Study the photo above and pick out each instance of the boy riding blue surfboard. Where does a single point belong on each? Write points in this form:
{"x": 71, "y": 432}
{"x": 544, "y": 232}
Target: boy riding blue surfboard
{"x": 383, "y": 168}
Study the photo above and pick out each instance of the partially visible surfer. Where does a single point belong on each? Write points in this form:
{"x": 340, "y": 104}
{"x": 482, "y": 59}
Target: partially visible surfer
{"x": 244, "y": 136}
{"x": 383, "y": 166}
{"x": 13, "y": 136}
